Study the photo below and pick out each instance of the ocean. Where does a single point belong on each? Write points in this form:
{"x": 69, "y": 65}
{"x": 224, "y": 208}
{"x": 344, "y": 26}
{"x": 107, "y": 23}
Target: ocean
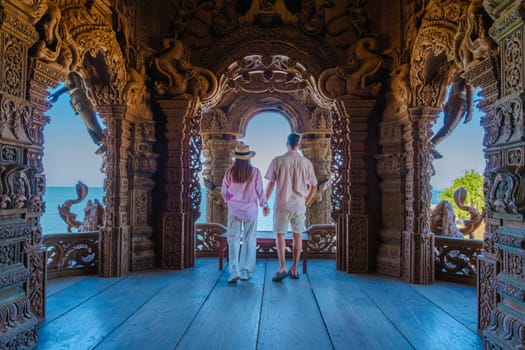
{"x": 52, "y": 222}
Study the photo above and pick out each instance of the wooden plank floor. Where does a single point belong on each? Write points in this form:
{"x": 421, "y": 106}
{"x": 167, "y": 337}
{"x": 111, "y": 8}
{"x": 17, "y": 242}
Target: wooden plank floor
{"x": 197, "y": 309}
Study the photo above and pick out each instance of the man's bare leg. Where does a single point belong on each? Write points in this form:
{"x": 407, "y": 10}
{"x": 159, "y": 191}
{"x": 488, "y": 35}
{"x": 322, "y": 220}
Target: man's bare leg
{"x": 281, "y": 252}
{"x": 297, "y": 245}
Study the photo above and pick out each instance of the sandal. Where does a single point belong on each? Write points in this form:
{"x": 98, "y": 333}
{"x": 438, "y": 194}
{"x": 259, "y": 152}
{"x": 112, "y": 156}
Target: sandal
{"x": 295, "y": 277}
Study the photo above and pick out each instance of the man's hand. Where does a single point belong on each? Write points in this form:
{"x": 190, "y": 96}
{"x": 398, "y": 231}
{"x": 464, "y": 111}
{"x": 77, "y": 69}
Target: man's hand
{"x": 266, "y": 211}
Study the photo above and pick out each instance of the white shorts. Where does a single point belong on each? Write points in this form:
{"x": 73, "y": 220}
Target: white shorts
{"x": 281, "y": 220}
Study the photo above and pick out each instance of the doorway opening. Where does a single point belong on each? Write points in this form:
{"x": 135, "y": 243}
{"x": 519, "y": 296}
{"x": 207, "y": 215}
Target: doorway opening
{"x": 266, "y": 134}
{"x": 70, "y": 158}
{"x": 460, "y": 163}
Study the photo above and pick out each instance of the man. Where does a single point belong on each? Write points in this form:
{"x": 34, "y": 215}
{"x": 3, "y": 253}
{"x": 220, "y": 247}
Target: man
{"x": 293, "y": 177}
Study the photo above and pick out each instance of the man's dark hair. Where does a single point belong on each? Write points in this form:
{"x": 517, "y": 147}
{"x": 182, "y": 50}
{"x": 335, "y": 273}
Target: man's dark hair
{"x": 293, "y": 140}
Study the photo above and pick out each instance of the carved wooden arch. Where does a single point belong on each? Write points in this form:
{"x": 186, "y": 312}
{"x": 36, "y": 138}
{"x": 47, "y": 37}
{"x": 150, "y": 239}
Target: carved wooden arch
{"x": 253, "y": 72}
{"x": 99, "y": 54}
{"x": 247, "y": 106}
{"x": 88, "y": 39}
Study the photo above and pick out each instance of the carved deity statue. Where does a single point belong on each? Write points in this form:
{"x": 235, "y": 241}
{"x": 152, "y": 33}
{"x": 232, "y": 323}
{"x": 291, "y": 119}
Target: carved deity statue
{"x": 48, "y": 46}
{"x": 459, "y": 104}
{"x": 362, "y": 68}
{"x": 361, "y": 75}
{"x": 472, "y": 42}
{"x": 443, "y": 220}
{"x": 401, "y": 86}
{"x": 76, "y": 87}
{"x": 177, "y": 73}
{"x": 93, "y": 216}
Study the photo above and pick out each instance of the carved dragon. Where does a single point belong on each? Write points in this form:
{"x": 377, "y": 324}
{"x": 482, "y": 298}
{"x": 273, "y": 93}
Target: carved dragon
{"x": 65, "y": 209}
{"x": 442, "y": 219}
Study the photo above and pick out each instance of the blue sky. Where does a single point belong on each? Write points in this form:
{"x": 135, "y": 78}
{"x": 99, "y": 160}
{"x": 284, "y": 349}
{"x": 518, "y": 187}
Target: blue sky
{"x": 70, "y": 153}
{"x": 462, "y": 150}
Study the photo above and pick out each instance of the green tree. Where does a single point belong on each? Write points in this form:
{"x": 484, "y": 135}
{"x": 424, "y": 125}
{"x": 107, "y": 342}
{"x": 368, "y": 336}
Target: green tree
{"x": 472, "y": 181}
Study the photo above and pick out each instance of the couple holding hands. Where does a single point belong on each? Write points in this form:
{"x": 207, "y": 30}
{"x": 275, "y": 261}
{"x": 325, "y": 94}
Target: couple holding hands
{"x": 293, "y": 178}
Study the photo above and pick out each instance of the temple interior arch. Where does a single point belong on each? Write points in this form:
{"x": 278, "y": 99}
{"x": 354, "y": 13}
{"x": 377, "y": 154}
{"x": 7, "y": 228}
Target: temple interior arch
{"x": 176, "y": 84}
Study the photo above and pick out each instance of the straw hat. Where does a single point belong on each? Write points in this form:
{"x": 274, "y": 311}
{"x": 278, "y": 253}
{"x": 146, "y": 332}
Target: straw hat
{"x": 242, "y": 151}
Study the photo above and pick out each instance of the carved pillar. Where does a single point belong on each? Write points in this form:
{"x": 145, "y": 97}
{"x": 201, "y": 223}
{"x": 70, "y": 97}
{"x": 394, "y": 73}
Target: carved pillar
{"x": 501, "y": 267}
{"x": 177, "y": 229}
{"x": 22, "y": 259}
{"x": 316, "y": 147}
{"x": 389, "y": 168}
{"x": 217, "y": 150}
{"x": 484, "y": 74}
{"x": 115, "y": 235}
{"x": 349, "y": 192}
{"x": 418, "y": 240}
{"x": 143, "y": 167}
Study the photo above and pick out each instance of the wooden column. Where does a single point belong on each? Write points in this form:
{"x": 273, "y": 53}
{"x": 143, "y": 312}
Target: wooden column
{"x": 484, "y": 74}
{"x": 392, "y": 185}
{"x": 217, "y": 150}
{"x": 143, "y": 168}
{"x": 22, "y": 257}
{"x": 501, "y": 283}
{"x": 350, "y": 189}
{"x": 316, "y": 147}
{"x": 177, "y": 229}
{"x": 115, "y": 235}
{"x": 418, "y": 240}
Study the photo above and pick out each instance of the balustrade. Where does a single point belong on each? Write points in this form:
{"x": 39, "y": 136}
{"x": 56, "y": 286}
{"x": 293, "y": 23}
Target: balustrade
{"x": 78, "y": 253}
{"x": 72, "y": 253}
{"x": 456, "y": 259}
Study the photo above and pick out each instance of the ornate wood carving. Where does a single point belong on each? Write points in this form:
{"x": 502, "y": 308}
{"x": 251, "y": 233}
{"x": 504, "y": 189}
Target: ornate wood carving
{"x": 143, "y": 166}
{"x": 217, "y": 150}
{"x": 115, "y": 235}
{"x": 390, "y": 165}
{"x": 500, "y": 282}
{"x": 456, "y": 259}
{"x": 72, "y": 253}
{"x": 316, "y": 147}
{"x": 418, "y": 241}
{"x": 177, "y": 220}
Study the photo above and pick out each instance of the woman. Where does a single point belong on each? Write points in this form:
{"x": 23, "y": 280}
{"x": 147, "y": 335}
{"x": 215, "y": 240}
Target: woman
{"x": 242, "y": 190}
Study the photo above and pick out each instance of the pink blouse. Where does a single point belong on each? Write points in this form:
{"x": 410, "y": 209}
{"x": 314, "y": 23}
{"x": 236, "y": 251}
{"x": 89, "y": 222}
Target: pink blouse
{"x": 242, "y": 198}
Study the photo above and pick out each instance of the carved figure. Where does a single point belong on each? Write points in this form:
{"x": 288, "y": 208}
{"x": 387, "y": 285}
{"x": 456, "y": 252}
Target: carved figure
{"x": 75, "y": 86}
{"x": 178, "y": 76}
{"x": 476, "y": 218}
{"x": 64, "y": 210}
{"x": 122, "y": 16}
{"x": 472, "y": 42}
{"x": 135, "y": 90}
{"x": 93, "y": 216}
{"x": 413, "y": 11}
{"x": 443, "y": 220}
{"x": 459, "y": 104}
{"x": 48, "y": 47}
{"x": 401, "y": 86}
{"x": 312, "y": 18}
{"x": 225, "y": 18}
{"x": 173, "y": 67}
{"x": 359, "y": 18}
{"x": 362, "y": 68}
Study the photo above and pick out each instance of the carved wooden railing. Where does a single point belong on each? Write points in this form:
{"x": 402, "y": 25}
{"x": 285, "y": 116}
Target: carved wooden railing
{"x": 456, "y": 259}
{"x": 72, "y": 253}
{"x": 321, "y": 244}
{"x": 206, "y": 238}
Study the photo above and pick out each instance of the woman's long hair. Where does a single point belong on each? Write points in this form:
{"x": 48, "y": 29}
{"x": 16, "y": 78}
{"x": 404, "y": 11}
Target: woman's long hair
{"x": 241, "y": 170}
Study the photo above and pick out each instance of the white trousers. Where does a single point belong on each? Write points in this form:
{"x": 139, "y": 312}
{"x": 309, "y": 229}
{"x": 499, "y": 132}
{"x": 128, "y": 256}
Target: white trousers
{"x": 246, "y": 261}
